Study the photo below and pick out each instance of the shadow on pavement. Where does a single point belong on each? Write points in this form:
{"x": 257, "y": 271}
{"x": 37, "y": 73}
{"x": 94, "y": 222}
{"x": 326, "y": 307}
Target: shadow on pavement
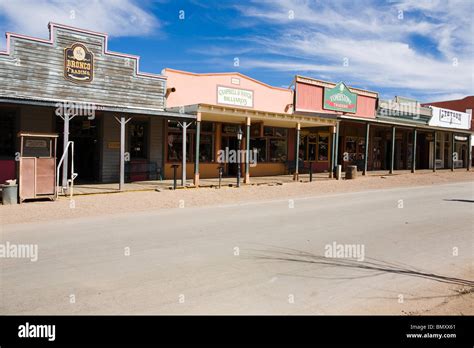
{"x": 377, "y": 267}
{"x": 459, "y": 200}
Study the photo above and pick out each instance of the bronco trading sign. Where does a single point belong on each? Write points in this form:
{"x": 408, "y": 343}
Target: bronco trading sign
{"x": 78, "y": 63}
{"x": 340, "y": 98}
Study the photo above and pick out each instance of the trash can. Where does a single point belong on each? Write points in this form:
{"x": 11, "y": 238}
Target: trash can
{"x": 9, "y": 194}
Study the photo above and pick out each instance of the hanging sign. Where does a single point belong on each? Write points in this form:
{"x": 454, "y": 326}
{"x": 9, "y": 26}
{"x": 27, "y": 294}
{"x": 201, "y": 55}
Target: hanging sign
{"x": 340, "y": 98}
{"x": 234, "y": 96}
{"x": 78, "y": 63}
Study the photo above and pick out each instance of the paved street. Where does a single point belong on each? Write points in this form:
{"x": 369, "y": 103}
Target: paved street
{"x": 257, "y": 257}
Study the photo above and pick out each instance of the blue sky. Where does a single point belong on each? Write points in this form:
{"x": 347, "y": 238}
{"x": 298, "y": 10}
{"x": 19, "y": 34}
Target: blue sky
{"x": 413, "y": 48}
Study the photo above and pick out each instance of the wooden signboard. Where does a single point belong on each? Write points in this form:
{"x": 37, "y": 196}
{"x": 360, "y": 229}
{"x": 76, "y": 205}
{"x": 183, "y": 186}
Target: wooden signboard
{"x": 78, "y": 63}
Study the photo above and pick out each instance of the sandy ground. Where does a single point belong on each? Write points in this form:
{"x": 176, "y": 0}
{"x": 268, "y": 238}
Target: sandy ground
{"x": 191, "y": 251}
{"x": 116, "y": 203}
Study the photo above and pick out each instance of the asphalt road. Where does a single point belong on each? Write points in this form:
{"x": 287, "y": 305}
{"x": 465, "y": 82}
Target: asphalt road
{"x": 254, "y": 258}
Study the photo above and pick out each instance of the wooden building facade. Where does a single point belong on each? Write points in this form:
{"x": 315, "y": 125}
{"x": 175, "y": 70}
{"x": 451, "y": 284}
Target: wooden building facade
{"x": 73, "y": 78}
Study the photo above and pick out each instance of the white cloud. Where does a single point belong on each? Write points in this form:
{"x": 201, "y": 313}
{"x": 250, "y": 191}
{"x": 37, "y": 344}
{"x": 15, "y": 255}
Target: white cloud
{"x": 377, "y": 40}
{"x": 115, "y": 17}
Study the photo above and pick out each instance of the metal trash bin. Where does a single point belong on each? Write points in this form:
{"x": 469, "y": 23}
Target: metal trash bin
{"x": 9, "y": 194}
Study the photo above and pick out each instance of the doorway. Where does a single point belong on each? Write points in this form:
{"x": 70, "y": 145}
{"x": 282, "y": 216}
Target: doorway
{"x": 85, "y": 135}
{"x": 231, "y": 143}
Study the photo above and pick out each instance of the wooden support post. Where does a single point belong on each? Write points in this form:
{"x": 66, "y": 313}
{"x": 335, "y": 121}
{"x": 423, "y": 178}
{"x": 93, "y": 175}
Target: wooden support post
{"x": 452, "y": 152}
{"x": 183, "y": 165}
{"x": 434, "y": 151}
{"x": 65, "y": 142}
{"x": 331, "y": 159}
{"x": 197, "y": 154}
{"x": 247, "y": 152}
{"x": 413, "y": 156}
{"x": 366, "y": 155}
{"x": 297, "y": 152}
{"x": 336, "y": 148}
{"x": 392, "y": 162}
{"x": 122, "y": 122}
{"x": 469, "y": 152}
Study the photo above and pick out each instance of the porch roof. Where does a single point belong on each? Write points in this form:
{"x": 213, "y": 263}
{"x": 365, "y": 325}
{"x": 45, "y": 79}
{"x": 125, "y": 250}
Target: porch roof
{"x": 220, "y": 113}
{"x": 103, "y": 107}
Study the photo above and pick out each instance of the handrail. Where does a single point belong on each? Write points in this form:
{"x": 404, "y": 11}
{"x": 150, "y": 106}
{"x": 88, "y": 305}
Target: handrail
{"x": 73, "y": 175}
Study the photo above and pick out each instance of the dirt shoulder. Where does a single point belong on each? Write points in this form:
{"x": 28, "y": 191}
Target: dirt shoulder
{"x": 104, "y": 204}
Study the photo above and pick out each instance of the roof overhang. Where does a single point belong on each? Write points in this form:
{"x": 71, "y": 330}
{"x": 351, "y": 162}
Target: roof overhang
{"x": 219, "y": 113}
{"x": 411, "y": 125}
{"x": 107, "y": 108}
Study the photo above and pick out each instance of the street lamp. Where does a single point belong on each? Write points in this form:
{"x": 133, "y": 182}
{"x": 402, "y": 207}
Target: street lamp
{"x": 239, "y": 139}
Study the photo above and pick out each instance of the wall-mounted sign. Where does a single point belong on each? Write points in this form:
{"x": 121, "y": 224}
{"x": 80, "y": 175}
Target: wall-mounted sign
{"x": 340, "y": 98}
{"x": 113, "y": 145}
{"x": 78, "y": 63}
{"x": 460, "y": 138}
{"x": 234, "y": 96}
{"x": 230, "y": 128}
{"x": 450, "y": 118}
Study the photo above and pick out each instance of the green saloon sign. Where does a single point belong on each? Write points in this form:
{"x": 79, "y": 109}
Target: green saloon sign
{"x": 340, "y": 98}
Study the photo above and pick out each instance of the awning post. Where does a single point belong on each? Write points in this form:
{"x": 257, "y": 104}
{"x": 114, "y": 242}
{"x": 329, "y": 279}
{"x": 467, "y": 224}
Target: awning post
{"x": 122, "y": 122}
{"x": 297, "y": 151}
{"x": 452, "y": 152}
{"x": 247, "y": 152}
{"x": 434, "y": 151}
{"x": 469, "y": 152}
{"x": 197, "y": 154}
{"x": 65, "y": 142}
{"x": 366, "y": 155}
{"x": 336, "y": 148}
{"x": 183, "y": 167}
{"x": 393, "y": 151}
{"x": 413, "y": 156}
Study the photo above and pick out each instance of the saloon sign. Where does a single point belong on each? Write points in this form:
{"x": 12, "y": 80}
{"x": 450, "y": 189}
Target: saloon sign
{"x": 340, "y": 98}
{"x": 78, "y": 63}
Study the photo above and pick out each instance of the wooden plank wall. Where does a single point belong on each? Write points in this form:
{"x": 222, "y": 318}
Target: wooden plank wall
{"x": 36, "y": 70}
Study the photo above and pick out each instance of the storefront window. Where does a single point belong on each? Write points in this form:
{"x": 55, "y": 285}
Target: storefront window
{"x": 273, "y": 146}
{"x": 312, "y": 143}
{"x": 138, "y": 140}
{"x": 278, "y": 150}
{"x": 175, "y": 147}
{"x": 354, "y": 149}
{"x": 206, "y": 148}
{"x": 259, "y": 144}
{"x": 323, "y": 148}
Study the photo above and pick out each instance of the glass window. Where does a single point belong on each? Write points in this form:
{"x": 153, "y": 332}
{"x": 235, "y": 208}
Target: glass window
{"x": 36, "y": 147}
{"x": 206, "y": 148}
{"x": 260, "y": 144}
{"x": 268, "y": 131}
{"x": 138, "y": 140}
{"x": 175, "y": 147}
{"x": 312, "y": 142}
{"x": 323, "y": 148}
{"x": 281, "y": 132}
{"x": 278, "y": 150}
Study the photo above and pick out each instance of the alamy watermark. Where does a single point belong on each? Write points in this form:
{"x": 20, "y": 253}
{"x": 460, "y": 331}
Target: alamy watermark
{"x": 237, "y": 156}
{"x": 345, "y": 251}
{"x": 20, "y": 251}
{"x": 72, "y": 109}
